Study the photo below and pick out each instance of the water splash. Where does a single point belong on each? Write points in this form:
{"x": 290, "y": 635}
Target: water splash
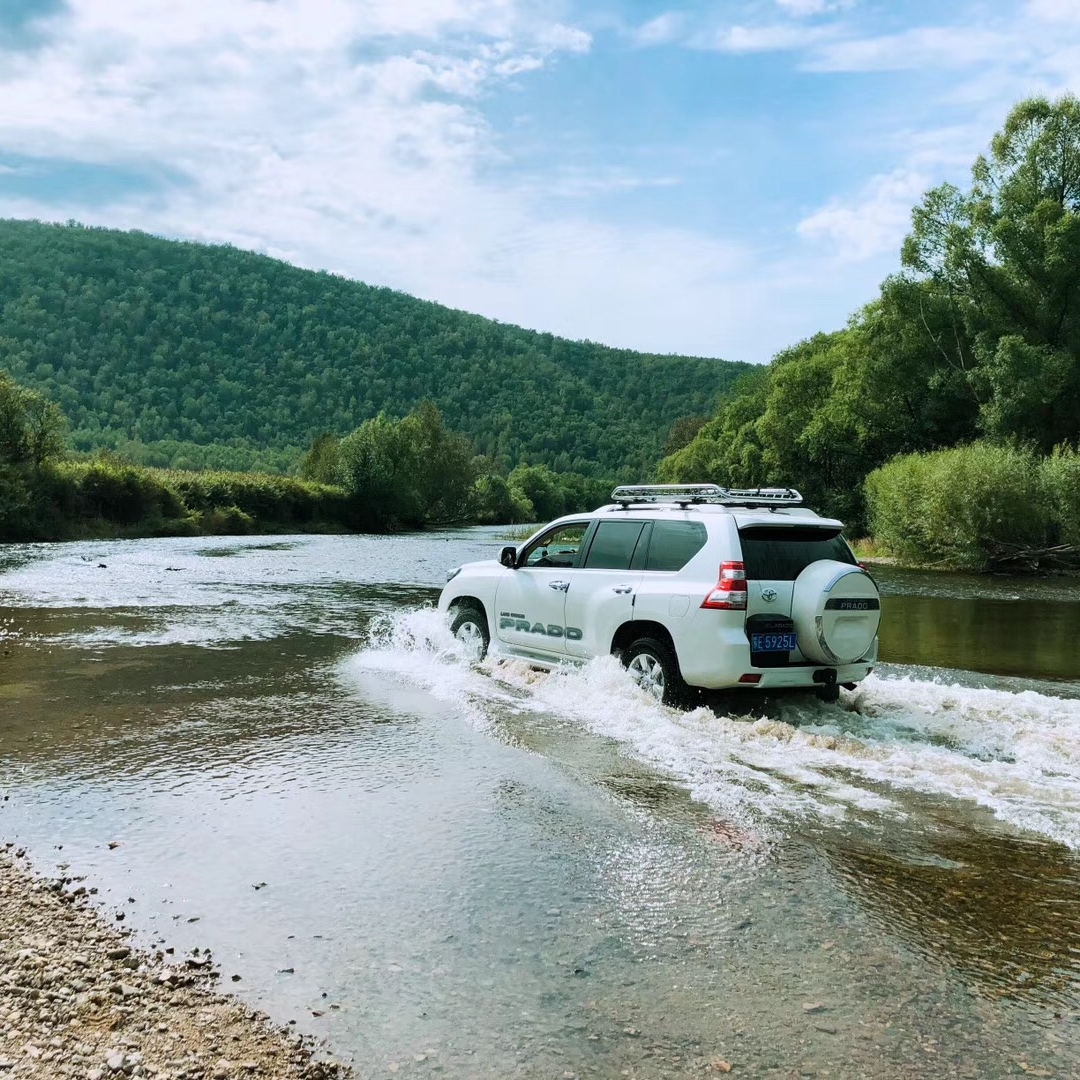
{"x": 1016, "y": 755}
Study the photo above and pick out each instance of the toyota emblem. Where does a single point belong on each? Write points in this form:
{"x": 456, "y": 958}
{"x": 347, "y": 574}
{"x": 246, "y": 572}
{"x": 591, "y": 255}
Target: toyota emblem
{"x": 768, "y": 595}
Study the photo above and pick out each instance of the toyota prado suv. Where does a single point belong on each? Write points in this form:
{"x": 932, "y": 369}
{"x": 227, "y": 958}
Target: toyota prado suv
{"x": 692, "y": 586}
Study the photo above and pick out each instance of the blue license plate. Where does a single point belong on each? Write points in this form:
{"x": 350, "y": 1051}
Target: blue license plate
{"x": 772, "y": 642}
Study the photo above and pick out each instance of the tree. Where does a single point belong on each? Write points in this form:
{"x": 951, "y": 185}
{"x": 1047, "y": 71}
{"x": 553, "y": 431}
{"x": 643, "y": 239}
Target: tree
{"x": 446, "y": 476}
{"x": 322, "y": 463}
{"x": 31, "y": 427}
{"x": 1006, "y": 255}
{"x": 379, "y": 468}
{"x": 539, "y": 487}
{"x": 407, "y": 472}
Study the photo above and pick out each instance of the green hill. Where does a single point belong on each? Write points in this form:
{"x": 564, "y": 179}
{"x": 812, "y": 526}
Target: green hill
{"x": 190, "y": 355}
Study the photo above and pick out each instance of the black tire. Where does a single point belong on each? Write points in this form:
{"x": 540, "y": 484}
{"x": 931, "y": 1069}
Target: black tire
{"x": 655, "y": 669}
{"x": 469, "y": 625}
{"x": 829, "y": 693}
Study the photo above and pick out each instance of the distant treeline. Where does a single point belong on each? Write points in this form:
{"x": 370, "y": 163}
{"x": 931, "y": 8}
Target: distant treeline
{"x": 978, "y": 339}
{"x": 196, "y": 356}
{"x": 46, "y": 495}
{"x": 388, "y": 474}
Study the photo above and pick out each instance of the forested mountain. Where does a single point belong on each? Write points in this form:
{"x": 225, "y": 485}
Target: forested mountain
{"x": 187, "y": 354}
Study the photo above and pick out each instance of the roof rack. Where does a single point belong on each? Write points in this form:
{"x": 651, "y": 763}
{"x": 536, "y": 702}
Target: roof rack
{"x": 689, "y": 494}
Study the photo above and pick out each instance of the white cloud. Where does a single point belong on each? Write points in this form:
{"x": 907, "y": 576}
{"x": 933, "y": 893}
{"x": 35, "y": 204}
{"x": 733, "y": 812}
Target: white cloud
{"x": 873, "y": 222}
{"x": 662, "y": 30}
{"x": 560, "y": 38}
{"x": 813, "y": 7}
{"x": 577, "y": 183}
{"x": 371, "y": 167}
{"x": 918, "y": 48}
{"x": 1066, "y": 11}
{"x": 774, "y": 38}
{"x": 351, "y": 135}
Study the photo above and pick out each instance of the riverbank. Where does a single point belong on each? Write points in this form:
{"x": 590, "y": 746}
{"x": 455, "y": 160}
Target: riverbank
{"x": 106, "y": 498}
{"x": 78, "y": 999}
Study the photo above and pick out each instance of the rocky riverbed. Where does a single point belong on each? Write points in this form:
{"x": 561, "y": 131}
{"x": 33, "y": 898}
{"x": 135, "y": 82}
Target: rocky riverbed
{"x": 78, "y": 999}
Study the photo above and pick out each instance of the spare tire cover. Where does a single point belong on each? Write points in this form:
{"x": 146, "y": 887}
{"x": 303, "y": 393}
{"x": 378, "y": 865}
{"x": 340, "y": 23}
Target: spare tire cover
{"x": 836, "y": 609}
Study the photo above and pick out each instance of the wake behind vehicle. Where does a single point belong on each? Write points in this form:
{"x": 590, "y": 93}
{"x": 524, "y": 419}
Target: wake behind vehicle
{"x": 692, "y": 586}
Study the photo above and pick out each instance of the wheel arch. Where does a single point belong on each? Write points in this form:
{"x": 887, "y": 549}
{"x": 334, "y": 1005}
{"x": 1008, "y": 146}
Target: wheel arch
{"x": 467, "y": 601}
{"x": 630, "y": 631}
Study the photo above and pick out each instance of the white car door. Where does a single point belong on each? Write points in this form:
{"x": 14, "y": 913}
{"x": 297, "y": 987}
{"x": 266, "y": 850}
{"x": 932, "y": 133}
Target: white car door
{"x": 530, "y": 601}
{"x": 601, "y": 596}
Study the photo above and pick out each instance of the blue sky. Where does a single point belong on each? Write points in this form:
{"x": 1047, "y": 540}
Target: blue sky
{"x": 721, "y": 178}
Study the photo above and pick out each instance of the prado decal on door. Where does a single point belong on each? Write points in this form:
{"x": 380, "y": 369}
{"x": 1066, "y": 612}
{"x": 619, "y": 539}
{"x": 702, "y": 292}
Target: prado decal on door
{"x": 530, "y": 600}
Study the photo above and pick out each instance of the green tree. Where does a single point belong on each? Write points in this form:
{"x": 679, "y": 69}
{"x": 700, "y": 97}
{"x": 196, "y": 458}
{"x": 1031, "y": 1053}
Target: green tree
{"x": 1006, "y": 254}
{"x": 31, "y": 427}
{"x": 379, "y": 467}
{"x": 322, "y": 463}
{"x": 446, "y": 470}
{"x": 538, "y": 486}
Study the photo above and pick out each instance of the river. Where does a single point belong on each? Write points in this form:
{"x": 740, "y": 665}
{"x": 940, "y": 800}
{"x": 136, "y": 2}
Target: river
{"x": 271, "y": 748}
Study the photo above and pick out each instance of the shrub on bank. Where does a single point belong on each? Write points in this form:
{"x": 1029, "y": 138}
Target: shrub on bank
{"x": 108, "y": 497}
{"x": 1061, "y": 478}
{"x": 967, "y": 507}
{"x": 280, "y": 501}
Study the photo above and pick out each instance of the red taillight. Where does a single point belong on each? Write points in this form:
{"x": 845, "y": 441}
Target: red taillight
{"x": 749, "y": 678}
{"x": 730, "y": 591}
{"x": 863, "y": 567}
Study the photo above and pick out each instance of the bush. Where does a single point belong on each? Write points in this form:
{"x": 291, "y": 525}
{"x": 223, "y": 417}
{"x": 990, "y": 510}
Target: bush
{"x": 109, "y": 497}
{"x": 960, "y": 508}
{"x": 270, "y": 501}
{"x": 1061, "y": 480}
{"x": 225, "y": 521}
{"x": 18, "y": 513}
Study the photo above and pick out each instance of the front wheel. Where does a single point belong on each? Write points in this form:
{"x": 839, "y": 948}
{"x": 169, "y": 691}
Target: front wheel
{"x": 469, "y": 626}
{"x": 654, "y": 668}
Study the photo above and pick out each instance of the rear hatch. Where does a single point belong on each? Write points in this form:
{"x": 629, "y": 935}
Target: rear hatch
{"x": 774, "y": 554}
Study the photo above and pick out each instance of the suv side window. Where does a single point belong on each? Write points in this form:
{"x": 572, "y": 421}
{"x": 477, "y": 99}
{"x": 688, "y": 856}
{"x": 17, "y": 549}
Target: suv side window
{"x": 613, "y": 545}
{"x": 557, "y": 547}
{"x": 674, "y": 544}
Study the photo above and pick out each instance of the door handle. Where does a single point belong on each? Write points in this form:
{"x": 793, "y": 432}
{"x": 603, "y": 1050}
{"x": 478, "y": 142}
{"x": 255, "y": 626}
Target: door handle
{"x": 622, "y": 588}
{"x": 559, "y": 586}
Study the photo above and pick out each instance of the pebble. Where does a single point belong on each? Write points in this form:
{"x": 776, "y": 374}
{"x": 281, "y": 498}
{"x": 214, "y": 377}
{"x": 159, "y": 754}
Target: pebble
{"x": 63, "y": 1008}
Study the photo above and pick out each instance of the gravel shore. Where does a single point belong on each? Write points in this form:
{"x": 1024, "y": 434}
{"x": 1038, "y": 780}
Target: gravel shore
{"x": 78, "y": 1000}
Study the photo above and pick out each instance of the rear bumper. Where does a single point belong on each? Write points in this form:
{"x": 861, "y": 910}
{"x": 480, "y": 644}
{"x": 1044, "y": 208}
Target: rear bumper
{"x": 718, "y": 662}
{"x": 792, "y": 678}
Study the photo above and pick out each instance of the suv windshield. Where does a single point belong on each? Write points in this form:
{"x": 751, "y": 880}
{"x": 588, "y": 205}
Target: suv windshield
{"x": 782, "y": 554}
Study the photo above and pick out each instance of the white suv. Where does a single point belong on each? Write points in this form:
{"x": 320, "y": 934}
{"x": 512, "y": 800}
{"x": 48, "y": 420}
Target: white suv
{"x": 691, "y": 585}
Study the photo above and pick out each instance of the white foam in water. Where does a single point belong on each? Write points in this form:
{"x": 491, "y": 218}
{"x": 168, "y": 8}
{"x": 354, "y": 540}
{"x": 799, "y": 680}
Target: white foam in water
{"x": 1015, "y": 754}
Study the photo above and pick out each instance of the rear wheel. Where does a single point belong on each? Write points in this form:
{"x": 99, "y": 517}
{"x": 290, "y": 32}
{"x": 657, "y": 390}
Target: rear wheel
{"x": 469, "y": 626}
{"x": 654, "y": 668}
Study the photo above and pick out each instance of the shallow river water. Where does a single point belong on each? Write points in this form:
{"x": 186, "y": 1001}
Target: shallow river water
{"x": 272, "y": 748}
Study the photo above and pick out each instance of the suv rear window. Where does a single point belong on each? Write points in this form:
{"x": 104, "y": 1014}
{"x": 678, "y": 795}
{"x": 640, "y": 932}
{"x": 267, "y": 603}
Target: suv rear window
{"x": 782, "y": 554}
{"x": 674, "y": 543}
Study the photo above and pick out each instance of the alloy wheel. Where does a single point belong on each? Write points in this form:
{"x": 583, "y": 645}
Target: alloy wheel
{"x": 648, "y": 673}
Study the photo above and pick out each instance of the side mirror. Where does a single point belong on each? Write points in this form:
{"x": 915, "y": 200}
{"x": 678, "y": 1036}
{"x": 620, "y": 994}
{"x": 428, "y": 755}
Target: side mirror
{"x": 508, "y": 557}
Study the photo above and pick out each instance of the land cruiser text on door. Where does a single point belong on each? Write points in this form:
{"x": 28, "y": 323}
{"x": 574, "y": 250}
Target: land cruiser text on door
{"x": 691, "y": 585}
